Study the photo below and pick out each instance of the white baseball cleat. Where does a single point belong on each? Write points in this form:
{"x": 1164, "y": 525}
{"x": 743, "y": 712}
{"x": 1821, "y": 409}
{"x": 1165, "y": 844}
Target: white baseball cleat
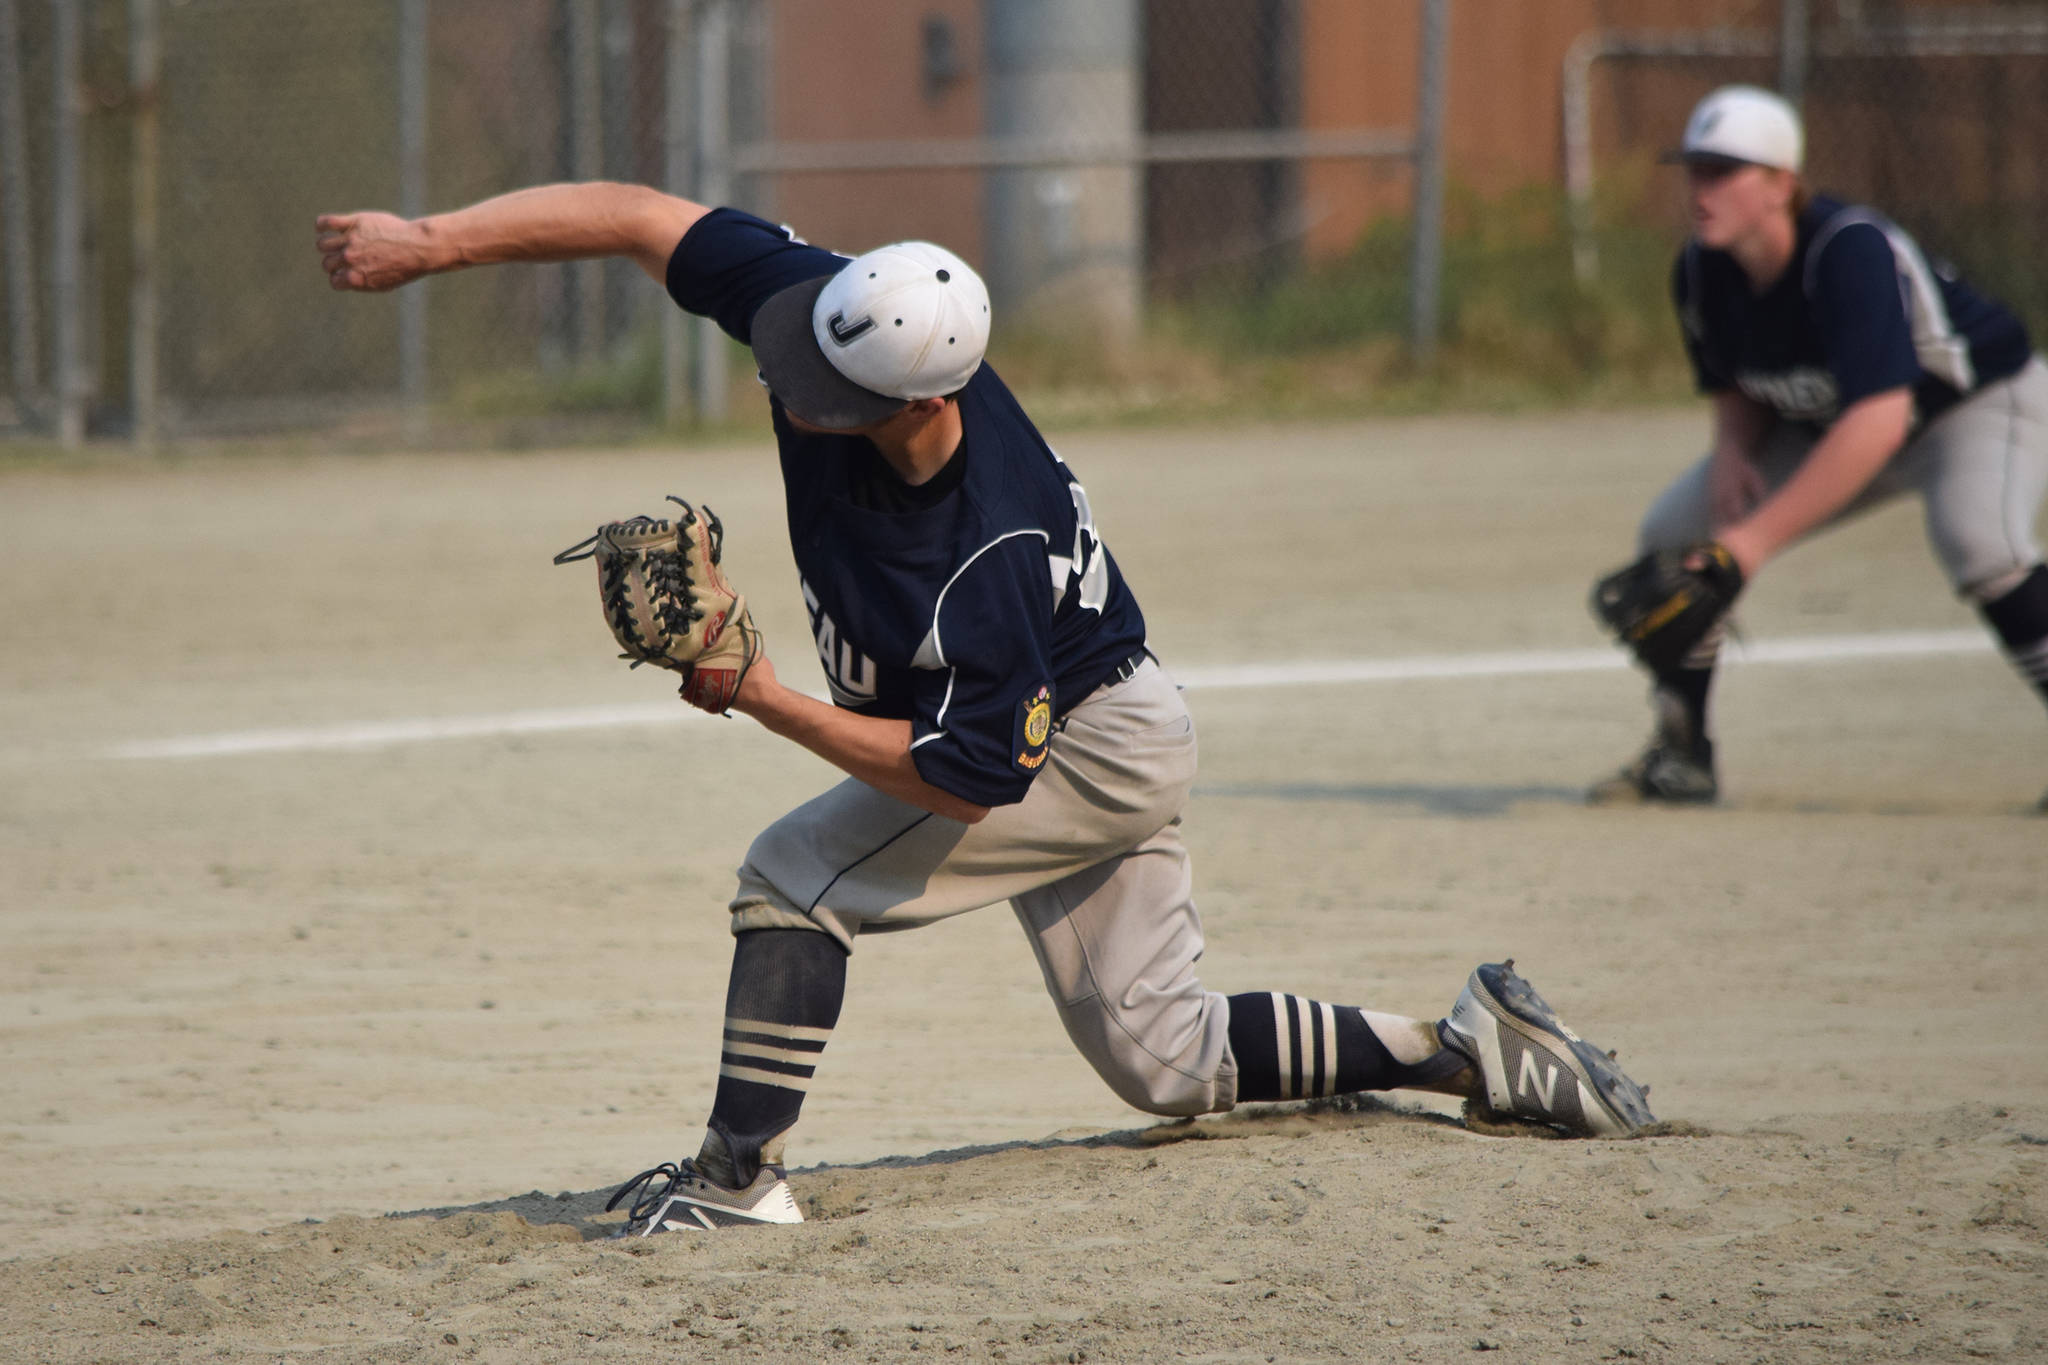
{"x": 1536, "y": 1068}
{"x": 682, "y": 1199}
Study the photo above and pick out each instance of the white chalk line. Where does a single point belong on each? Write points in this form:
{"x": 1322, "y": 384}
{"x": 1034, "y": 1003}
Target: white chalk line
{"x": 1818, "y": 649}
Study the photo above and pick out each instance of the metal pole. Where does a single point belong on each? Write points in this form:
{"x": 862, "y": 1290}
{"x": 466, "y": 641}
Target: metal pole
{"x": 1064, "y": 246}
{"x": 145, "y": 71}
{"x": 1578, "y": 152}
{"x": 1795, "y": 33}
{"x": 586, "y": 112}
{"x": 1426, "y": 268}
{"x": 714, "y": 184}
{"x": 412, "y": 203}
{"x": 1075, "y": 150}
{"x": 24, "y": 332}
{"x": 67, "y": 222}
{"x": 412, "y": 200}
{"x": 1280, "y": 182}
{"x": 675, "y": 153}
{"x": 622, "y": 294}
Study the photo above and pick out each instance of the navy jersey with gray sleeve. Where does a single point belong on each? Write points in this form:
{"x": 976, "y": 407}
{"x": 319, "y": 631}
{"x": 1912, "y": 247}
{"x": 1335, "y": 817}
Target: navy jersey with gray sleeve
{"x": 980, "y": 607}
{"x": 1861, "y": 310}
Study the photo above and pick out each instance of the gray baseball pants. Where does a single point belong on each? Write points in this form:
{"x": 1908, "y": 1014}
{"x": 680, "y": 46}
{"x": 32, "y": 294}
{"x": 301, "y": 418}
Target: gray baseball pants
{"x": 1981, "y": 469}
{"x": 1092, "y": 863}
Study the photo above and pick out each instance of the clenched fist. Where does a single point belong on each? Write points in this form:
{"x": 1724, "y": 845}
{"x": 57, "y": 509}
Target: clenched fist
{"x": 372, "y": 252}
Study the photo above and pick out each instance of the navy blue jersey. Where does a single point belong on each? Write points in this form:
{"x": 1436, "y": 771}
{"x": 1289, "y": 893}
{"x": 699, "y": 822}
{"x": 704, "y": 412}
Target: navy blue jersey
{"x": 1860, "y": 310}
{"x": 980, "y": 607}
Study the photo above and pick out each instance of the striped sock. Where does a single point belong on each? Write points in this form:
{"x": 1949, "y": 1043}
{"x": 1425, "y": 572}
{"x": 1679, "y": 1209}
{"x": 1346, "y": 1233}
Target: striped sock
{"x": 1289, "y": 1047}
{"x": 778, "y": 1056}
{"x": 780, "y": 1008}
{"x": 2020, "y": 619}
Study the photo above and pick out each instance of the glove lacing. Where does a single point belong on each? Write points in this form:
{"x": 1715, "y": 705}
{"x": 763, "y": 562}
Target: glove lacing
{"x": 672, "y": 596}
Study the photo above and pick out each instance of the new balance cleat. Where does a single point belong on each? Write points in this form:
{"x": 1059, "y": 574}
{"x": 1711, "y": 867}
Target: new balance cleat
{"x": 677, "y": 1197}
{"x": 1664, "y": 775}
{"x": 1533, "y": 1066}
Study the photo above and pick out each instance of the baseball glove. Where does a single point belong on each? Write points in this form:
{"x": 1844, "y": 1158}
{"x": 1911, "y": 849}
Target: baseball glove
{"x": 668, "y": 603}
{"x": 1665, "y": 603}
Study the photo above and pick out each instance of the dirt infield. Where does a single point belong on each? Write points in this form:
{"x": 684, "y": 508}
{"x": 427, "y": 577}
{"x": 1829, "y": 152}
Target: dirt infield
{"x": 257, "y": 998}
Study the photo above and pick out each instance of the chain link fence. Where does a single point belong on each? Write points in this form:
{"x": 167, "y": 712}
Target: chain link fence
{"x": 163, "y": 161}
{"x": 258, "y": 115}
{"x": 1934, "y": 113}
{"x": 199, "y": 172}
{"x": 1106, "y": 161}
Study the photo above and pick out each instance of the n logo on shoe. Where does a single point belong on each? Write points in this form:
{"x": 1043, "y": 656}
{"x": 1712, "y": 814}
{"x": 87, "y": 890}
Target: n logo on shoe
{"x": 1545, "y": 1085}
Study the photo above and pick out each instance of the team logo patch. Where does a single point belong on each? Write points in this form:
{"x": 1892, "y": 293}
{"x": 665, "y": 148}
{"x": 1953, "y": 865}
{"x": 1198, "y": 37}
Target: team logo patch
{"x": 1034, "y": 728}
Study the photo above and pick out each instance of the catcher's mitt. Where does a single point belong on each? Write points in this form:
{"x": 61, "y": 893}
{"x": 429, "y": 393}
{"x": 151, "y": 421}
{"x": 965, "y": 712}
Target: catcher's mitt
{"x": 668, "y": 603}
{"x": 1664, "y": 603}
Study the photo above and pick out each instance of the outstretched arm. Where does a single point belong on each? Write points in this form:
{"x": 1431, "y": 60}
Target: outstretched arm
{"x": 372, "y": 252}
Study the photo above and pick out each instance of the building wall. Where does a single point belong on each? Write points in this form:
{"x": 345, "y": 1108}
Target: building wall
{"x": 855, "y": 71}
{"x": 1504, "y": 121}
{"x": 1358, "y": 69}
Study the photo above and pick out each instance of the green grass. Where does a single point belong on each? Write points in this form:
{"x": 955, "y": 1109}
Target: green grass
{"x": 1328, "y": 340}
{"x": 1516, "y": 330}
{"x": 629, "y": 381}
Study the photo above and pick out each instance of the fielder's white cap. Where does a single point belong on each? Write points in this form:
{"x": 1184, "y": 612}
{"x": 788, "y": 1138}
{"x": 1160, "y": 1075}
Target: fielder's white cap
{"x": 904, "y": 321}
{"x": 1743, "y": 123}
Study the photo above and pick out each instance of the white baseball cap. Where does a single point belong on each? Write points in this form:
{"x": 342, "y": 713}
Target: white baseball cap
{"x": 1743, "y": 123}
{"x": 902, "y": 322}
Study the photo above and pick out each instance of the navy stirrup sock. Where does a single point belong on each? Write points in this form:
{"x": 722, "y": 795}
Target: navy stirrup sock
{"x": 2020, "y": 619}
{"x": 1290, "y": 1048}
{"x": 781, "y": 1003}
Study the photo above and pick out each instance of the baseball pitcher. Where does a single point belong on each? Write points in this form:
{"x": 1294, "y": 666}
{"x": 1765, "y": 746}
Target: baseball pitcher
{"x": 1006, "y": 734}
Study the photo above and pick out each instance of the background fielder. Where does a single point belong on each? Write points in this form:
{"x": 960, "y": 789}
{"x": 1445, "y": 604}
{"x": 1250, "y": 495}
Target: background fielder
{"x": 1845, "y": 368}
{"x": 1006, "y": 733}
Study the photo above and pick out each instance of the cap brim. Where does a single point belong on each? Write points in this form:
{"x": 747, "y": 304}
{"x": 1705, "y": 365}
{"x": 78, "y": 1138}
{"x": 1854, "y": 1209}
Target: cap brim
{"x": 1678, "y": 156}
{"x": 797, "y": 372}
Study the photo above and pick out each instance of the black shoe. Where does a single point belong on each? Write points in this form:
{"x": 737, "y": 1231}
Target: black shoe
{"x": 1677, "y": 769}
{"x": 684, "y": 1200}
{"x": 1663, "y": 774}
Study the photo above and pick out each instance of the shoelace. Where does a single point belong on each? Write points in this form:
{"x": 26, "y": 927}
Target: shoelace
{"x": 645, "y": 1206}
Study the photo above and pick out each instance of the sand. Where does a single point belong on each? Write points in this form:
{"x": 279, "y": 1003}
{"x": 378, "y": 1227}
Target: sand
{"x": 256, "y": 1002}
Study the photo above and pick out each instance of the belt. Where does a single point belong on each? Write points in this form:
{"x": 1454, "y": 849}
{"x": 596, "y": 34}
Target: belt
{"x": 1122, "y": 673}
{"x": 1128, "y": 669}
